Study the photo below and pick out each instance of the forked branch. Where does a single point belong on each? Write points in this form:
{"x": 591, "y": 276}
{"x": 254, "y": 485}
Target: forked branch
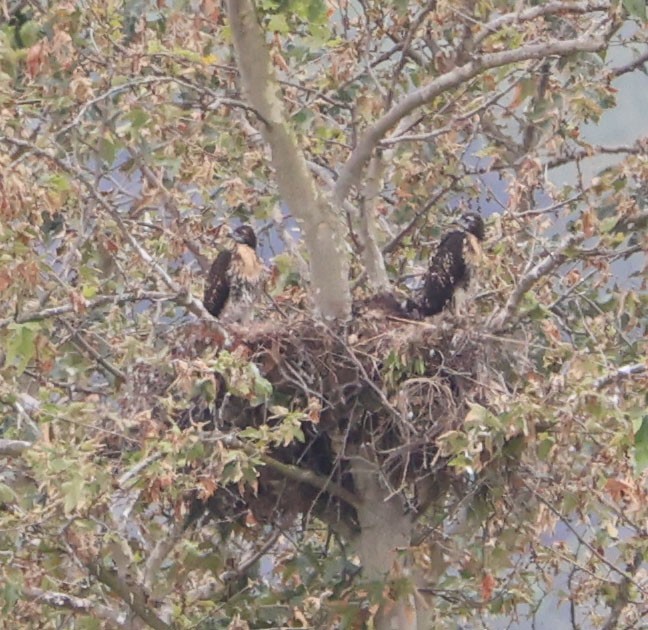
{"x": 321, "y": 225}
{"x": 352, "y": 169}
{"x": 544, "y": 267}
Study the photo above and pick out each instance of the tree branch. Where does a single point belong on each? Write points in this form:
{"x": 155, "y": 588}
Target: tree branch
{"x": 552, "y": 260}
{"x": 631, "y": 66}
{"x": 452, "y": 126}
{"x": 396, "y": 241}
{"x": 625, "y": 575}
{"x": 638, "y": 148}
{"x": 214, "y": 590}
{"x": 624, "y": 593}
{"x": 76, "y": 604}
{"x": 78, "y": 340}
{"x": 102, "y": 300}
{"x": 162, "y": 549}
{"x": 550, "y": 8}
{"x": 372, "y": 258}
{"x": 290, "y": 471}
{"x": 14, "y": 448}
{"x": 133, "y": 595}
{"x": 187, "y": 300}
{"x": 322, "y": 228}
{"x": 352, "y": 169}
{"x": 624, "y": 372}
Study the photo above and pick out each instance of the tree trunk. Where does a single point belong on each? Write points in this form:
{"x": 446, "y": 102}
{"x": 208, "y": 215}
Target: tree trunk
{"x": 322, "y": 227}
{"x": 383, "y": 546}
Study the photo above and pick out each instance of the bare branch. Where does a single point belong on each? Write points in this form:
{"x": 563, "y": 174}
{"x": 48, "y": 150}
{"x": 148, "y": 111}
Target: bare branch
{"x": 162, "y": 549}
{"x": 552, "y": 260}
{"x": 351, "y": 172}
{"x": 102, "y": 300}
{"x": 372, "y": 258}
{"x": 406, "y": 45}
{"x": 550, "y": 8}
{"x": 215, "y": 590}
{"x": 429, "y": 135}
{"x": 124, "y": 481}
{"x": 78, "y": 340}
{"x": 14, "y": 448}
{"x": 395, "y": 242}
{"x": 131, "y": 594}
{"x": 76, "y": 604}
{"x": 631, "y": 66}
{"x": 638, "y": 148}
{"x": 295, "y": 473}
{"x": 624, "y": 372}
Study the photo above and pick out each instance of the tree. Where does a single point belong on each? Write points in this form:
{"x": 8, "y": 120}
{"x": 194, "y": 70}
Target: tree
{"x": 318, "y": 469}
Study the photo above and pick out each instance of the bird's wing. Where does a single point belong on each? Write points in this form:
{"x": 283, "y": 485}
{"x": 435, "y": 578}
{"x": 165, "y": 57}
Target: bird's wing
{"x": 447, "y": 268}
{"x": 217, "y": 288}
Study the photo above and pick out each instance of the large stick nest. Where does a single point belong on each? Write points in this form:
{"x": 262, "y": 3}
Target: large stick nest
{"x": 384, "y": 385}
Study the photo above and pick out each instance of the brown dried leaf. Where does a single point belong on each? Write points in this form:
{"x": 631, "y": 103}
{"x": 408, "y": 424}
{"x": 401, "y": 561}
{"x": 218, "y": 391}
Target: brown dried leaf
{"x": 35, "y": 58}
{"x": 618, "y": 488}
{"x": 79, "y": 303}
{"x": 207, "y": 487}
{"x": 589, "y": 222}
{"x": 487, "y": 586}
{"x": 5, "y": 280}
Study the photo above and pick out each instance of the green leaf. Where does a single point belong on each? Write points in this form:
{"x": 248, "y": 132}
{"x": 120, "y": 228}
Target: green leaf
{"x": 636, "y": 8}
{"x": 544, "y": 448}
{"x": 641, "y": 446}
{"x": 480, "y": 416}
{"x": 10, "y": 593}
{"x": 60, "y": 182}
{"x": 20, "y": 345}
{"x": 138, "y": 117}
{"x": 30, "y": 33}
{"x": 278, "y": 24}
{"x": 73, "y": 493}
{"x": 107, "y": 151}
{"x": 6, "y": 493}
{"x": 250, "y": 433}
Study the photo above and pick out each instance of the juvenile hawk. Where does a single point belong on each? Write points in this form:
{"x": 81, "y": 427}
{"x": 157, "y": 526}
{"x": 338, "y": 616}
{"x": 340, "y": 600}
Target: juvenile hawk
{"x": 235, "y": 279}
{"x": 450, "y": 266}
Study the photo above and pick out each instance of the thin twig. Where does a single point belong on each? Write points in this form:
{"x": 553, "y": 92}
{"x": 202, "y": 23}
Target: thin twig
{"x": 552, "y": 260}
{"x": 290, "y": 471}
{"x": 630, "y": 66}
{"x": 625, "y": 575}
{"x": 215, "y": 590}
{"x": 352, "y": 169}
{"x": 102, "y": 300}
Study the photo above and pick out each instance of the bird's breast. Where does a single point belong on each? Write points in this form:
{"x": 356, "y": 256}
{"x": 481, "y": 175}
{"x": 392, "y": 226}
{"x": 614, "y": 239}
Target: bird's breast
{"x": 247, "y": 265}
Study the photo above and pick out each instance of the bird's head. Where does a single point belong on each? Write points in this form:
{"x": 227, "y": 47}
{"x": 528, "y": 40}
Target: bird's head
{"x": 245, "y": 235}
{"x": 473, "y": 224}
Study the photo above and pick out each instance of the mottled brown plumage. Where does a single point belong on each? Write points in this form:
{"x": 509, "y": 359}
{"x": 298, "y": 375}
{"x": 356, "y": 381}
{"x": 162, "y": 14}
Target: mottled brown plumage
{"x": 235, "y": 279}
{"x": 450, "y": 266}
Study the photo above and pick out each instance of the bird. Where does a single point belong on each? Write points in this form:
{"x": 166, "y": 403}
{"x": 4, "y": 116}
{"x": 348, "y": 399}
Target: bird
{"x": 236, "y": 278}
{"x": 450, "y": 268}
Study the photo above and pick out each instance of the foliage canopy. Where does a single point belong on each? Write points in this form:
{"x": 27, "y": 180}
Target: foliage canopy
{"x": 470, "y": 467}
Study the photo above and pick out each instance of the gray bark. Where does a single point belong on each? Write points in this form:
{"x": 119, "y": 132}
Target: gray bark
{"x": 385, "y": 538}
{"x": 319, "y": 220}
